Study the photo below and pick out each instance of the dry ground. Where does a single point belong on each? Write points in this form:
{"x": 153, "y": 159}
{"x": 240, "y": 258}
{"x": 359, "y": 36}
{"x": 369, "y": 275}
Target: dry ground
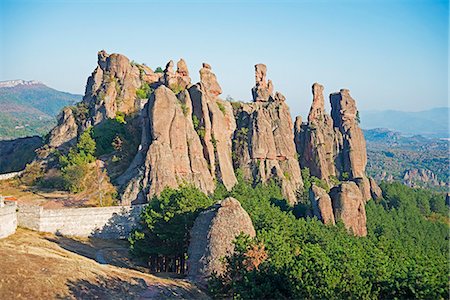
{"x": 44, "y": 266}
{"x": 41, "y": 197}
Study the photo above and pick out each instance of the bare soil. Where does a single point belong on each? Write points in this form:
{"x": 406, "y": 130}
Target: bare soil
{"x": 44, "y": 266}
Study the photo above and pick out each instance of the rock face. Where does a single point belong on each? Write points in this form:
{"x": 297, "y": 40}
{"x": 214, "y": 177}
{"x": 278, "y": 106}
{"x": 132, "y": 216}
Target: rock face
{"x": 174, "y": 153}
{"x": 333, "y": 147}
{"x": 110, "y": 89}
{"x": 348, "y": 206}
{"x": 353, "y": 148}
{"x": 263, "y": 89}
{"x": 322, "y": 206}
{"x": 317, "y": 141}
{"x": 66, "y": 131}
{"x": 212, "y": 238}
{"x": 375, "y": 190}
{"x": 263, "y": 143}
{"x": 215, "y": 125}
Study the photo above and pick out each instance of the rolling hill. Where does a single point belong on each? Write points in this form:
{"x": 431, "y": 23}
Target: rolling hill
{"x": 29, "y": 108}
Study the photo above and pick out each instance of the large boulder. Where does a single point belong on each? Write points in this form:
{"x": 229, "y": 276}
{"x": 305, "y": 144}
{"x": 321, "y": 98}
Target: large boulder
{"x": 212, "y": 238}
{"x": 321, "y": 204}
{"x": 349, "y": 206}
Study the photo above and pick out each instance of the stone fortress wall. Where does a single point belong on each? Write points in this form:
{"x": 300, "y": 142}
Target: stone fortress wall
{"x": 114, "y": 222}
{"x": 8, "y": 218}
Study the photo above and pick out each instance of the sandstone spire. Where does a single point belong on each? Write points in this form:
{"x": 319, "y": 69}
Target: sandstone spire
{"x": 263, "y": 89}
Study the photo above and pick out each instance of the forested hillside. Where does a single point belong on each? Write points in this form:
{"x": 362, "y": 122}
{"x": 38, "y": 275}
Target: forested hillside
{"x": 30, "y": 108}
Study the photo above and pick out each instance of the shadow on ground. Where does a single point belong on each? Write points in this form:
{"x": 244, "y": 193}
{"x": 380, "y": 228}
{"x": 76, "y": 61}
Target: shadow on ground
{"x": 106, "y": 288}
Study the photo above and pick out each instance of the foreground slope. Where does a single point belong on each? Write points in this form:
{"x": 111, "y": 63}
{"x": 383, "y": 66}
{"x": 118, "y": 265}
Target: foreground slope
{"x": 43, "y": 266}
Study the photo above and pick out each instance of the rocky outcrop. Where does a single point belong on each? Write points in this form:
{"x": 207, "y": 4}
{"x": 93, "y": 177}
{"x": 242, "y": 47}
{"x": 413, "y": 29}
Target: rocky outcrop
{"x": 174, "y": 153}
{"x": 263, "y": 144}
{"x": 263, "y": 89}
{"x": 215, "y": 124}
{"x": 363, "y": 184}
{"x": 415, "y": 177}
{"x": 317, "y": 141}
{"x": 348, "y": 206}
{"x": 212, "y": 238}
{"x": 66, "y": 131}
{"x": 178, "y": 80}
{"x": 375, "y": 190}
{"x": 353, "y": 148}
{"x": 321, "y": 204}
{"x": 110, "y": 89}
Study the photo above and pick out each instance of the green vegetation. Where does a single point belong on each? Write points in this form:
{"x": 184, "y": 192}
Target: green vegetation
{"x": 358, "y": 118}
{"x": 159, "y": 70}
{"x": 74, "y": 165}
{"x": 221, "y": 107}
{"x": 166, "y": 221}
{"x": 30, "y": 110}
{"x": 144, "y": 91}
{"x": 176, "y": 88}
{"x": 404, "y": 255}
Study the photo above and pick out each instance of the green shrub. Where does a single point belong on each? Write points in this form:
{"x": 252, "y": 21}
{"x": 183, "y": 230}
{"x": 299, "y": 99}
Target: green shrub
{"x": 144, "y": 91}
{"x": 221, "y": 107}
{"x": 166, "y": 223}
{"x": 159, "y": 70}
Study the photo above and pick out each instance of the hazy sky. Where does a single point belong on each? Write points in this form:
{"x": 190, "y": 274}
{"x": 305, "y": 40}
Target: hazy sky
{"x": 390, "y": 54}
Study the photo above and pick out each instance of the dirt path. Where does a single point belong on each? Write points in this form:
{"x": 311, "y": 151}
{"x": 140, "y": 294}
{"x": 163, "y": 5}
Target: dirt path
{"x": 44, "y": 266}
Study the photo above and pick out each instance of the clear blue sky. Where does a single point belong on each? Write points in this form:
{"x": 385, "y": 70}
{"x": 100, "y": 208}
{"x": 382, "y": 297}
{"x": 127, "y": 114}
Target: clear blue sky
{"x": 390, "y": 54}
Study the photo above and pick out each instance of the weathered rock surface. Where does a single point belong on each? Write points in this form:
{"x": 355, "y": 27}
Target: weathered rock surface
{"x": 216, "y": 125}
{"x": 264, "y": 145}
{"x": 317, "y": 141}
{"x": 375, "y": 190}
{"x": 363, "y": 184}
{"x": 263, "y": 89}
{"x": 322, "y": 206}
{"x": 353, "y": 149}
{"x": 171, "y": 152}
{"x": 348, "y": 206}
{"x": 212, "y": 238}
{"x": 178, "y": 80}
{"x": 66, "y": 131}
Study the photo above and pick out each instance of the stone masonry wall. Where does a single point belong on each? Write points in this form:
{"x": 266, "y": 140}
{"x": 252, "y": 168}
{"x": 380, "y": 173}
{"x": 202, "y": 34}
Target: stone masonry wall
{"x": 114, "y": 222}
{"x": 8, "y": 219}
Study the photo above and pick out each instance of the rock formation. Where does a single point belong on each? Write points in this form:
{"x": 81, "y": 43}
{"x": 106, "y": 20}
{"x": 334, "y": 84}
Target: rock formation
{"x": 212, "y": 238}
{"x": 174, "y": 154}
{"x": 215, "y": 125}
{"x": 110, "y": 89}
{"x": 264, "y": 145}
{"x": 322, "y": 206}
{"x": 348, "y": 206}
{"x": 353, "y": 148}
{"x": 317, "y": 141}
{"x": 66, "y": 131}
{"x": 375, "y": 190}
{"x": 333, "y": 147}
{"x": 263, "y": 89}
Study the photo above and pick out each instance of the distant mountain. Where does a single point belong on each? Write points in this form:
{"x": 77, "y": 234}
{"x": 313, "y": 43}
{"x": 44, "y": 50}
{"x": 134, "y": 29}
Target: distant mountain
{"x": 430, "y": 123}
{"x": 29, "y": 108}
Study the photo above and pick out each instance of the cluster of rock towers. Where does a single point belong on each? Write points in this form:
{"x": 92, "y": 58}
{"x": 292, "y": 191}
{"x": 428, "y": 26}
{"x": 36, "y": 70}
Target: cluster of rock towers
{"x": 191, "y": 135}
